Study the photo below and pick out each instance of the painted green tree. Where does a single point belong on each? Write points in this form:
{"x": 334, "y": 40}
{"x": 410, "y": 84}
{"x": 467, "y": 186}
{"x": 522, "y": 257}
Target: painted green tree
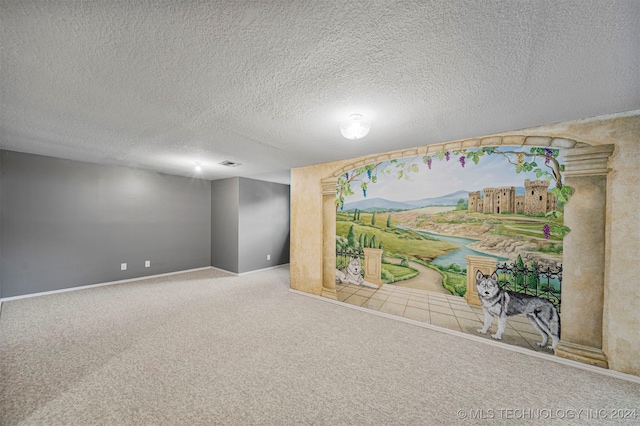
{"x": 533, "y": 278}
{"x": 351, "y": 237}
{"x": 520, "y": 272}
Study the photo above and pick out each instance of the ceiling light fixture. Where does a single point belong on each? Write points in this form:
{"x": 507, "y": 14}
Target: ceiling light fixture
{"x": 355, "y": 128}
{"x": 198, "y": 168}
{"x": 229, "y": 163}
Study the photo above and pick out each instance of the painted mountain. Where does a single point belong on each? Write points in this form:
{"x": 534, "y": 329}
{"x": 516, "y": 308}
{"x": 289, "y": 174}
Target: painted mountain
{"x": 381, "y": 204}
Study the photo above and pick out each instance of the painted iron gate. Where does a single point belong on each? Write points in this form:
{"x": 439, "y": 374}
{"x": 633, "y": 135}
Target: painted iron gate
{"x": 532, "y": 279}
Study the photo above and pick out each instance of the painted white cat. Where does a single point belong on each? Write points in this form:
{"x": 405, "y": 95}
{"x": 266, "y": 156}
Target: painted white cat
{"x": 351, "y": 274}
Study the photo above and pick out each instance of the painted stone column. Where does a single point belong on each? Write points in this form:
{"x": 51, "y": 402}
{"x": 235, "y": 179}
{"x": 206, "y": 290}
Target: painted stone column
{"x": 583, "y": 257}
{"x": 329, "y": 237}
{"x": 373, "y": 266}
{"x": 486, "y": 265}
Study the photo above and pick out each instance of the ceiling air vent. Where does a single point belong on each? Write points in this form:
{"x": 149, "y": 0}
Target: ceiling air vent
{"x": 229, "y": 163}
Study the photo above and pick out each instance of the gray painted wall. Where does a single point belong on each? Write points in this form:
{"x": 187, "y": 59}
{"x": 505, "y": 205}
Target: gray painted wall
{"x": 263, "y": 224}
{"x": 224, "y": 224}
{"x": 66, "y": 223}
{"x": 249, "y": 220}
{"x": 1, "y": 215}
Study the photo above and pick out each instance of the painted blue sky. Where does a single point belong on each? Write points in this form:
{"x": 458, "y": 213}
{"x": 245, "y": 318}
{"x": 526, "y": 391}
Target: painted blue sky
{"x": 444, "y": 178}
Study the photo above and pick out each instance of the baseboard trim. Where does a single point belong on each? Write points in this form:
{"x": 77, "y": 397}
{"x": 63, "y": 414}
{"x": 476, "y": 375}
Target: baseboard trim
{"x": 250, "y": 272}
{"x": 224, "y": 270}
{"x": 591, "y": 368}
{"x": 84, "y": 287}
{"x": 262, "y": 270}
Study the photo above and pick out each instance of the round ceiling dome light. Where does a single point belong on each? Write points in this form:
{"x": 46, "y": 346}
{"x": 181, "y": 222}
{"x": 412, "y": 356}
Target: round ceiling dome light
{"x": 355, "y": 128}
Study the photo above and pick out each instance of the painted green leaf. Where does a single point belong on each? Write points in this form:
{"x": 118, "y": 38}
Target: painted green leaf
{"x": 567, "y": 189}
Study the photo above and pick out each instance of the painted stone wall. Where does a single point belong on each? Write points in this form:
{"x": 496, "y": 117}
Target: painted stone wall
{"x": 622, "y": 273}
{"x": 621, "y": 315}
{"x": 306, "y": 227}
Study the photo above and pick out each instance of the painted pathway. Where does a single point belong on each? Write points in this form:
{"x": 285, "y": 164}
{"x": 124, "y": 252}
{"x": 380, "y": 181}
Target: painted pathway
{"x": 427, "y": 279}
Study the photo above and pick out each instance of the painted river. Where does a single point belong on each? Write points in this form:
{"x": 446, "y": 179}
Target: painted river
{"x": 458, "y": 256}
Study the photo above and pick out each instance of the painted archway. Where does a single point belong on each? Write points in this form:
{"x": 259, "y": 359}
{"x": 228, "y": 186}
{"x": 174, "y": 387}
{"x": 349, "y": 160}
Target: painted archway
{"x": 584, "y": 253}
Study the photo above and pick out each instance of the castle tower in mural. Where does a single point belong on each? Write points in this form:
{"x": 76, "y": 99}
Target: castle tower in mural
{"x": 536, "y": 199}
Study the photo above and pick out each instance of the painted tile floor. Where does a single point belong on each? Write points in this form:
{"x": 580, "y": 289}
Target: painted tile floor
{"x": 442, "y": 310}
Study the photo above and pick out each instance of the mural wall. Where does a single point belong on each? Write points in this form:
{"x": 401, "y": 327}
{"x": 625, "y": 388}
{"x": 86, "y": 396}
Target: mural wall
{"x": 600, "y": 315}
{"x": 470, "y": 240}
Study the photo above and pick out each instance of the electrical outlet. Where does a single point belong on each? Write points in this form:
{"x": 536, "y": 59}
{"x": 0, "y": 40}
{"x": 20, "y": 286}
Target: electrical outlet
{"x": 268, "y": 257}
{"x": 147, "y": 263}
{"x": 123, "y": 266}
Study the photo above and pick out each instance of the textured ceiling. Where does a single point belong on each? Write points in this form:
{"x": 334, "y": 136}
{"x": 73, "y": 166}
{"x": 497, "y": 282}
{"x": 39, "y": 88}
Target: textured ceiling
{"x": 161, "y": 85}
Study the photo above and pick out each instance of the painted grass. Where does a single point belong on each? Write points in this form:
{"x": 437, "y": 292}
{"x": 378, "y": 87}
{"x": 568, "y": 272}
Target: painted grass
{"x": 455, "y": 283}
{"x": 407, "y": 242}
{"x": 518, "y": 229}
{"x": 400, "y": 273}
{"x": 417, "y": 247}
{"x": 509, "y": 225}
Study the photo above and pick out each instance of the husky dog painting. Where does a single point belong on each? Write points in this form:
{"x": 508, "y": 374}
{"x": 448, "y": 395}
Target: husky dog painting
{"x": 500, "y": 303}
{"x": 351, "y": 274}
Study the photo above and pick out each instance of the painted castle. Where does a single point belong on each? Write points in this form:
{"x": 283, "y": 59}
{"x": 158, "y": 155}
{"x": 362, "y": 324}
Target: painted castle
{"x": 536, "y": 199}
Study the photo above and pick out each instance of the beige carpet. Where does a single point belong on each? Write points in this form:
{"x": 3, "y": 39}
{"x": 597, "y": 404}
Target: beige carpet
{"x": 207, "y": 348}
